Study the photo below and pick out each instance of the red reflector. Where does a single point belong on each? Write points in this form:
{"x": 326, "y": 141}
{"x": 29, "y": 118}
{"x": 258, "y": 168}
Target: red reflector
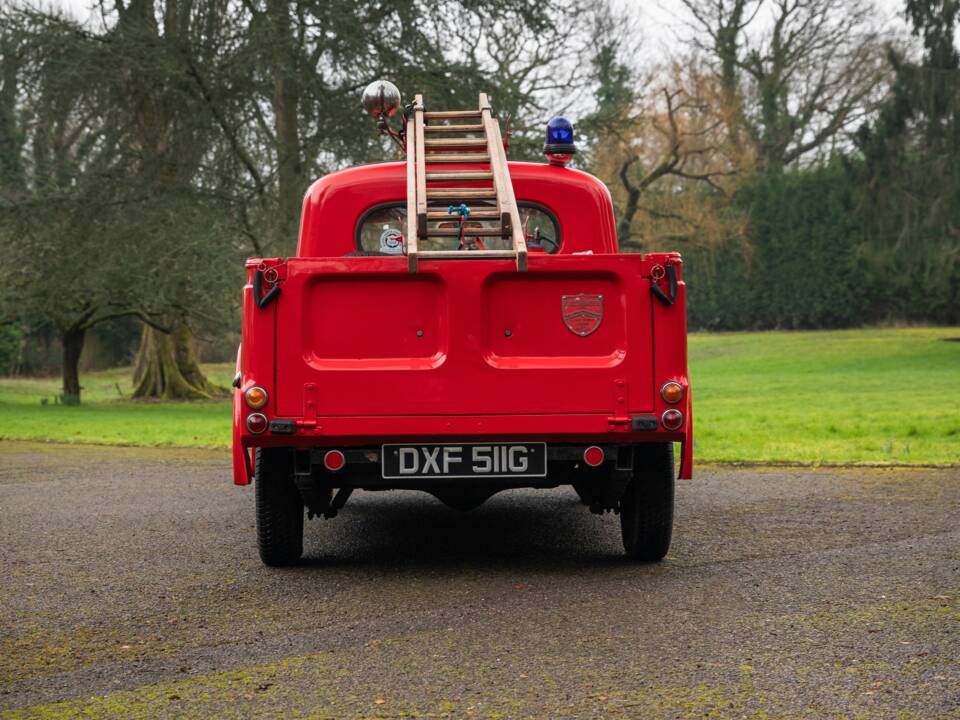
{"x": 334, "y": 460}
{"x": 256, "y": 423}
{"x": 672, "y": 419}
{"x": 593, "y": 456}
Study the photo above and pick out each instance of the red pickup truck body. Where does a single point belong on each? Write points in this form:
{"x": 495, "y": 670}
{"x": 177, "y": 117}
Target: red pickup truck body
{"x": 355, "y": 351}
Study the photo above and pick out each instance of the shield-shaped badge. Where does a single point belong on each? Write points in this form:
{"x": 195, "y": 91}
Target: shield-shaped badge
{"x": 582, "y": 314}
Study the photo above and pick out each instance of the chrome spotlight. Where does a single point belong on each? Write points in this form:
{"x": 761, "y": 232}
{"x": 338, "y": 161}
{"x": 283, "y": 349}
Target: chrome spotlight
{"x": 381, "y": 99}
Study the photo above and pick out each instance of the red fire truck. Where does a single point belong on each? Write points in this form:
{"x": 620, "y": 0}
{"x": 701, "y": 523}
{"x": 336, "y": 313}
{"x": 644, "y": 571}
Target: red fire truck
{"x": 460, "y": 324}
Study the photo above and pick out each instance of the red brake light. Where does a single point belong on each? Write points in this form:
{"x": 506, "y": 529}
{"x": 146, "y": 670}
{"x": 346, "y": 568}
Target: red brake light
{"x": 256, "y": 423}
{"x": 671, "y": 419}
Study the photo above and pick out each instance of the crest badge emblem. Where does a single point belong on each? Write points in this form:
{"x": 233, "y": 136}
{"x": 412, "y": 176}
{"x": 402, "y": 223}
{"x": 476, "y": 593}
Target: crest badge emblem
{"x": 582, "y": 314}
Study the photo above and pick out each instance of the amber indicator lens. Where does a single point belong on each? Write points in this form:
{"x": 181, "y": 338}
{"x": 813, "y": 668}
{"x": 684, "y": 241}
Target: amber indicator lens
{"x": 671, "y": 419}
{"x": 672, "y": 392}
{"x": 256, "y": 423}
{"x": 255, "y": 397}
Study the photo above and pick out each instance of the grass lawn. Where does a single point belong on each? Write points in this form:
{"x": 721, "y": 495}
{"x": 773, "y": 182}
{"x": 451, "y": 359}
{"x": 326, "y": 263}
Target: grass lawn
{"x": 845, "y": 396}
{"x": 849, "y": 396}
{"x": 107, "y": 417}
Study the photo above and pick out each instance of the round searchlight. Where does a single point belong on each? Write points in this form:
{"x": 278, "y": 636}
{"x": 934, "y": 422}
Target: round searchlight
{"x": 381, "y": 99}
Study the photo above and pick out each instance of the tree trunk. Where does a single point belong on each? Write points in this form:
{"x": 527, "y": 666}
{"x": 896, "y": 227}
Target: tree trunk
{"x": 625, "y": 226}
{"x": 72, "y": 340}
{"x": 286, "y": 107}
{"x": 167, "y": 368}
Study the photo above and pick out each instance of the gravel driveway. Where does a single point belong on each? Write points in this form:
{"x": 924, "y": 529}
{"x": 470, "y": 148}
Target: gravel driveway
{"x": 130, "y": 586}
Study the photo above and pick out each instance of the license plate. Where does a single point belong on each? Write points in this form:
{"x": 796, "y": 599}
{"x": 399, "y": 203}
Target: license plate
{"x": 464, "y": 460}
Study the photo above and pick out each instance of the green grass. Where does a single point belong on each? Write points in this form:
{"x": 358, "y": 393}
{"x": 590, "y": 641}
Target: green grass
{"x": 108, "y": 416}
{"x": 851, "y": 396}
{"x": 848, "y": 396}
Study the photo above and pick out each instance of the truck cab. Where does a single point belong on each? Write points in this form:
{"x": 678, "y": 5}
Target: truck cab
{"x": 461, "y": 371}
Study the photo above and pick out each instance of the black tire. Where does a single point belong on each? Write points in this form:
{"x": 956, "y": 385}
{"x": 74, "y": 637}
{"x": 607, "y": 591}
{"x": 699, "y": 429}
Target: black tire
{"x": 646, "y": 510}
{"x": 279, "y": 508}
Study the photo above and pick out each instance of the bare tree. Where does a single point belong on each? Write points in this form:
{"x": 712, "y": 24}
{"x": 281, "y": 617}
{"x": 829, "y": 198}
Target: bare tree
{"x": 795, "y": 74}
{"x": 659, "y": 140}
{"x": 671, "y": 161}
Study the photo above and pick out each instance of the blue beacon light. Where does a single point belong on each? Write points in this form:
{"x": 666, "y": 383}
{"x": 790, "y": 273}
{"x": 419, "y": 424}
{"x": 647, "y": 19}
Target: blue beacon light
{"x": 559, "y": 148}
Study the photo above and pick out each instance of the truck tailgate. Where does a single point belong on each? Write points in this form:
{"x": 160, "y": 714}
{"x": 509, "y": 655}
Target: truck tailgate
{"x": 362, "y": 336}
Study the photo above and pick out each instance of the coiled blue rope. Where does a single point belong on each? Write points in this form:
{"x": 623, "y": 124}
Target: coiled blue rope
{"x": 464, "y": 212}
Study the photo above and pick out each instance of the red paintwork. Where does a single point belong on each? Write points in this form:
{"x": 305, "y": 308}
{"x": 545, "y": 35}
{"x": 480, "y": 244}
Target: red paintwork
{"x": 359, "y": 351}
{"x": 334, "y": 203}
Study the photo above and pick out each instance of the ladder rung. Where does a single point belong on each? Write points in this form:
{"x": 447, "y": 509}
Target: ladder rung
{"x": 453, "y": 128}
{"x": 459, "y": 254}
{"x": 455, "y": 142}
{"x": 441, "y": 114}
{"x": 475, "y": 143}
{"x": 464, "y": 194}
{"x": 465, "y": 158}
{"x": 474, "y": 215}
{"x": 442, "y": 176}
{"x": 469, "y": 232}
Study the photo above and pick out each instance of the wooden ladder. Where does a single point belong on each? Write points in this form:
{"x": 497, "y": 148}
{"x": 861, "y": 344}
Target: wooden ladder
{"x": 479, "y": 144}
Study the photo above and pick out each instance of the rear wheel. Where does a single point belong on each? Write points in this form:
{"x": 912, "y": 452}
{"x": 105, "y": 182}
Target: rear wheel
{"x": 646, "y": 510}
{"x": 279, "y": 508}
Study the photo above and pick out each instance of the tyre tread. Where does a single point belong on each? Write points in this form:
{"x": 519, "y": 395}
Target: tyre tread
{"x": 279, "y": 509}
{"x": 646, "y": 513}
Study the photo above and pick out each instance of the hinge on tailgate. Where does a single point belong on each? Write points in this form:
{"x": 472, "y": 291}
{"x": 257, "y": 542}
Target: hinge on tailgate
{"x": 621, "y": 397}
{"x": 309, "y": 419}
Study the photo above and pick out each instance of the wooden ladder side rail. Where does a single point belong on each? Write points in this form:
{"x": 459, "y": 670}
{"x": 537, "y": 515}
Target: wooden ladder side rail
{"x": 421, "y": 184}
{"x": 506, "y": 202}
{"x": 412, "y": 220}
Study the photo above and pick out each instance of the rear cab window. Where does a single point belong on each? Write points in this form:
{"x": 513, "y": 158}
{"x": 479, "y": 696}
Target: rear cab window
{"x": 380, "y": 231}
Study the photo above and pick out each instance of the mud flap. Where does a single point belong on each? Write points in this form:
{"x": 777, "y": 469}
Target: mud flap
{"x": 242, "y": 467}
{"x": 686, "y": 446}
{"x": 686, "y": 460}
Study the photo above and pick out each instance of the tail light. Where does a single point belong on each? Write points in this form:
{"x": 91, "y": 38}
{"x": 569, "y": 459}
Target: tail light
{"x": 256, "y": 398}
{"x": 256, "y": 423}
{"x": 671, "y": 419}
{"x": 672, "y": 392}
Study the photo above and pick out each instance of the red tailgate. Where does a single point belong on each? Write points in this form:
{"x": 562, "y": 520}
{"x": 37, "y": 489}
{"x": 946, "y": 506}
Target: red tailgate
{"x": 362, "y": 336}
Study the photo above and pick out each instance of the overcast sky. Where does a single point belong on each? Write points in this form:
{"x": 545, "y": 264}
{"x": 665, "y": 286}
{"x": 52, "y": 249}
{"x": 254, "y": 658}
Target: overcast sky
{"x": 660, "y": 23}
{"x": 658, "y": 18}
